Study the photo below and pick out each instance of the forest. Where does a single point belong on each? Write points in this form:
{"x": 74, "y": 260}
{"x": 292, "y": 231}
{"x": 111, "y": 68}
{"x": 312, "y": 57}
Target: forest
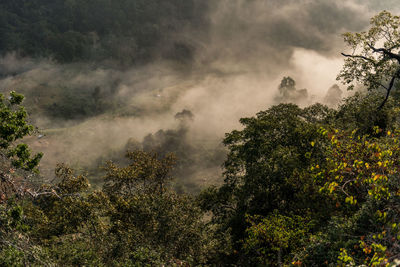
{"x": 70, "y": 30}
{"x": 108, "y": 157}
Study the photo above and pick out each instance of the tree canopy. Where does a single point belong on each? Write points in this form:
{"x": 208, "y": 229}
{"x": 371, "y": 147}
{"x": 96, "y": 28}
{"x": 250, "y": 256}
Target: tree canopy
{"x": 15, "y": 126}
{"x": 127, "y": 31}
{"x": 374, "y": 60}
{"x": 311, "y": 186}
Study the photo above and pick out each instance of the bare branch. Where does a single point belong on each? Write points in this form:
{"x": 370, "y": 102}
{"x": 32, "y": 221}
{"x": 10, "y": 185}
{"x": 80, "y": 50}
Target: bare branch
{"x": 359, "y": 56}
{"x": 395, "y": 76}
{"x": 343, "y": 186}
{"x": 386, "y": 52}
{"x": 393, "y": 47}
{"x": 37, "y": 194}
{"x": 380, "y": 84}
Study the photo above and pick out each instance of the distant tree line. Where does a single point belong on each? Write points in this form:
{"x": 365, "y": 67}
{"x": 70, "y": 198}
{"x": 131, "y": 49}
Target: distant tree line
{"x": 125, "y": 30}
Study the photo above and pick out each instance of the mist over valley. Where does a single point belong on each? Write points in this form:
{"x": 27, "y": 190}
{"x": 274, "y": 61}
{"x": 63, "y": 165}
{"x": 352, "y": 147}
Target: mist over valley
{"x": 225, "y": 63}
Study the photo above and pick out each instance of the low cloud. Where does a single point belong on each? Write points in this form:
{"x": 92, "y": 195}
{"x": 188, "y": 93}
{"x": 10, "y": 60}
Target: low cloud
{"x": 239, "y": 61}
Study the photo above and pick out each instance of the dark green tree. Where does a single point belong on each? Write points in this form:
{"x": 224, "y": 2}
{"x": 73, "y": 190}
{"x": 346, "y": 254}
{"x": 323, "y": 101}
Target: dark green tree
{"x": 146, "y": 215}
{"x": 264, "y": 173}
{"x": 15, "y": 155}
{"x": 14, "y": 126}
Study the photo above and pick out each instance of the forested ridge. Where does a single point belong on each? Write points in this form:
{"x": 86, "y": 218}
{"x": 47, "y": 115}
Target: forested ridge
{"x": 125, "y": 31}
{"x": 302, "y": 186}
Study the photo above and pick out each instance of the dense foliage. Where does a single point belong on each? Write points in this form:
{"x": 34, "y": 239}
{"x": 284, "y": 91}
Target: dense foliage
{"x": 14, "y": 126}
{"x": 134, "y": 220}
{"x": 374, "y": 59}
{"x": 310, "y": 186}
{"x": 128, "y": 31}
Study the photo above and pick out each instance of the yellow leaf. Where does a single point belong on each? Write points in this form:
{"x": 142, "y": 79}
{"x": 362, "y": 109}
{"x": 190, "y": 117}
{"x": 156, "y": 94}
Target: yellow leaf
{"x": 376, "y": 177}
